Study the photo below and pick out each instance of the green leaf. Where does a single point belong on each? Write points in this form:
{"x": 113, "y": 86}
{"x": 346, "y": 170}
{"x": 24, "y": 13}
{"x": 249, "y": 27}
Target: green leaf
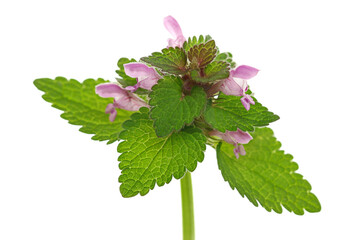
{"x": 228, "y": 113}
{"x": 171, "y": 60}
{"x": 202, "y": 54}
{"x": 147, "y": 159}
{"x": 171, "y": 109}
{"x": 82, "y": 106}
{"x": 195, "y": 41}
{"x": 126, "y": 80}
{"x": 214, "y": 71}
{"x": 267, "y": 175}
{"x": 226, "y": 57}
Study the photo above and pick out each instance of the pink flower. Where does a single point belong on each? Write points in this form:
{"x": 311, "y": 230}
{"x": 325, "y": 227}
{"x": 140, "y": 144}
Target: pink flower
{"x": 173, "y": 27}
{"x": 122, "y": 99}
{"x": 234, "y": 138}
{"x": 146, "y": 76}
{"x": 236, "y": 84}
{"x": 246, "y": 101}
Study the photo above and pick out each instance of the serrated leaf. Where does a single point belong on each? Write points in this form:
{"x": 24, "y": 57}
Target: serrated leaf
{"x": 170, "y": 108}
{"x": 82, "y": 106}
{"x": 267, "y": 175}
{"x": 126, "y": 80}
{"x": 195, "y": 41}
{"x": 171, "y": 60}
{"x": 226, "y": 57}
{"x": 202, "y": 54}
{"x": 214, "y": 71}
{"x": 147, "y": 159}
{"x": 228, "y": 113}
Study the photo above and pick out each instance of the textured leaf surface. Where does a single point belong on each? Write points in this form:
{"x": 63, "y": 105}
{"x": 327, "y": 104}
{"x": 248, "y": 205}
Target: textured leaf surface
{"x": 126, "y": 80}
{"x": 171, "y": 60}
{"x": 202, "y": 54}
{"x": 226, "y": 57}
{"x": 171, "y": 110}
{"x": 195, "y": 41}
{"x": 214, "y": 71}
{"x": 267, "y": 175}
{"x": 147, "y": 159}
{"x": 82, "y": 106}
{"x": 228, "y": 113}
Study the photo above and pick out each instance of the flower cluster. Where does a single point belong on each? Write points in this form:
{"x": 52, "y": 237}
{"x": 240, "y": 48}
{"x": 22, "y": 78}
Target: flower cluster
{"x": 147, "y": 76}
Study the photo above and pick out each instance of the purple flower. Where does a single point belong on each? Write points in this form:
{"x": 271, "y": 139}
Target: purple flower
{"x": 246, "y": 100}
{"x": 146, "y": 76}
{"x": 234, "y": 138}
{"x": 174, "y": 29}
{"x": 236, "y": 84}
{"x": 122, "y": 99}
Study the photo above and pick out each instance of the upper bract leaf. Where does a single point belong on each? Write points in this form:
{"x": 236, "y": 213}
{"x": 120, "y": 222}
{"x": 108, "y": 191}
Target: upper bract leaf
{"x": 170, "y": 108}
{"x": 171, "y": 60}
{"x": 214, "y": 71}
{"x": 82, "y": 106}
{"x": 147, "y": 159}
{"x": 228, "y": 113}
{"x": 202, "y": 54}
{"x": 267, "y": 175}
{"x": 226, "y": 57}
{"x": 195, "y": 41}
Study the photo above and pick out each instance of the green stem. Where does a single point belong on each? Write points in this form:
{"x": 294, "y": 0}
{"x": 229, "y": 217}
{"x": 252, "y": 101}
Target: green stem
{"x": 187, "y": 207}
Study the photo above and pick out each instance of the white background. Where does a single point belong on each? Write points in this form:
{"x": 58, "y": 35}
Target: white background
{"x": 56, "y": 183}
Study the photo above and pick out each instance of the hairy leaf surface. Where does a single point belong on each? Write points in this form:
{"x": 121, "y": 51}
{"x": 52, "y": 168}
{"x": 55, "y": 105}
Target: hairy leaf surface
{"x": 228, "y": 113}
{"x": 266, "y": 175}
{"x": 147, "y": 159}
{"x": 170, "y": 60}
{"x": 214, "y": 71}
{"x": 82, "y": 106}
{"x": 170, "y": 108}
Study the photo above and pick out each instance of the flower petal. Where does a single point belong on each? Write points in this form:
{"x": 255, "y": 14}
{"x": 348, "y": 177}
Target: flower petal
{"x": 130, "y": 102}
{"x": 148, "y": 83}
{"x": 241, "y": 150}
{"x": 231, "y": 87}
{"x": 107, "y": 90}
{"x": 137, "y": 70}
{"x": 241, "y": 136}
{"x": 146, "y": 76}
{"x": 172, "y": 26}
{"x": 133, "y": 88}
{"x": 224, "y": 136}
{"x": 244, "y": 72}
{"x": 113, "y": 115}
{"x": 109, "y": 108}
{"x": 246, "y": 101}
{"x": 236, "y": 152}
